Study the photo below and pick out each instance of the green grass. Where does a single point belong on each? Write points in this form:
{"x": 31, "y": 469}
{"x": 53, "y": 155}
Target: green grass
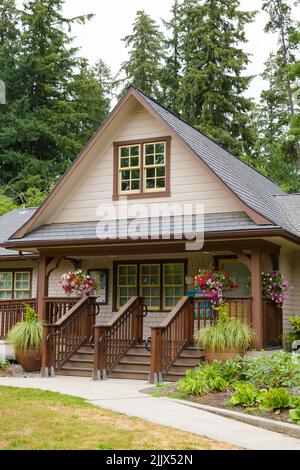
{"x": 41, "y": 420}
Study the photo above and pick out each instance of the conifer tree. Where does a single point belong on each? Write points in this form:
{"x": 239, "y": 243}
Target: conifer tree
{"x": 144, "y": 66}
{"x": 54, "y": 101}
{"x": 214, "y": 81}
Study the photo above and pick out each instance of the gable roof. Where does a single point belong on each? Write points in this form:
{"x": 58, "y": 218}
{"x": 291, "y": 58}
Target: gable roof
{"x": 254, "y": 190}
{"x": 9, "y": 223}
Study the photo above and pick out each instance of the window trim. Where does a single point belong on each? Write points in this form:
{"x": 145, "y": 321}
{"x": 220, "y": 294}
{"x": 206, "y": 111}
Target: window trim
{"x": 18, "y": 270}
{"x": 183, "y": 261}
{"x": 117, "y": 194}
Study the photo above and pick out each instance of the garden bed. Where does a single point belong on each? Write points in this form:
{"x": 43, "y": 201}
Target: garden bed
{"x": 218, "y": 400}
{"x": 266, "y": 387}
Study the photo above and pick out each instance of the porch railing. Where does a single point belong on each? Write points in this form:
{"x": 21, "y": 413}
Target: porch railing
{"x": 57, "y": 307}
{"x": 169, "y": 338}
{"x": 112, "y": 341}
{"x": 238, "y": 307}
{"x": 66, "y": 335}
{"x": 12, "y": 312}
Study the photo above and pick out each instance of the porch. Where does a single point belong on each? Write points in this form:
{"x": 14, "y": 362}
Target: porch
{"x": 73, "y": 344}
{"x": 145, "y": 291}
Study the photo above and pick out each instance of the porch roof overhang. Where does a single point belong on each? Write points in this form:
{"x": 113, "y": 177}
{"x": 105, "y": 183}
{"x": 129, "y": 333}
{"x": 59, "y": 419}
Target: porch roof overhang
{"x": 217, "y": 227}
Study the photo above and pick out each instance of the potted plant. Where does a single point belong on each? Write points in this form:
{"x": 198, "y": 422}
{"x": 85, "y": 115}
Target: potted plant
{"x": 275, "y": 287}
{"x": 78, "y": 283}
{"x": 214, "y": 284}
{"x": 26, "y": 339}
{"x": 226, "y": 337}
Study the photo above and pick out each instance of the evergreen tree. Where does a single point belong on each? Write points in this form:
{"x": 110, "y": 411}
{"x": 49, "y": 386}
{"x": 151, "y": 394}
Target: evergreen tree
{"x": 145, "y": 44}
{"x": 171, "y": 72}
{"x": 213, "y": 84}
{"x": 54, "y": 101}
{"x": 280, "y": 22}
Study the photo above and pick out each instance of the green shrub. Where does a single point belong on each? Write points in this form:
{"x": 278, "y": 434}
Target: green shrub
{"x": 217, "y": 384}
{"x": 245, "y": 394}
{"x": 226, "y": 334}
{"x": 274, "y": 399}
{"x": 294, "y": 416}
{"x": 27, "y": 334}
{"x": 295, "y": 323}
{"x": 279, "y": 370}
{"x": 3, "y": 364}
{"x": 193, "y": 386}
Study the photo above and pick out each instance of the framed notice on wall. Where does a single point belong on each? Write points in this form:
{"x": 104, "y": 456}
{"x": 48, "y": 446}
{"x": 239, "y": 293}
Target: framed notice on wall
{"x": 101, "y": 278}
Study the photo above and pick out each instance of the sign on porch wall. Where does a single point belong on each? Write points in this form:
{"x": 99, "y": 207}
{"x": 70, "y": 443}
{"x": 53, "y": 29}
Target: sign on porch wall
{"x": 101, "y": 278}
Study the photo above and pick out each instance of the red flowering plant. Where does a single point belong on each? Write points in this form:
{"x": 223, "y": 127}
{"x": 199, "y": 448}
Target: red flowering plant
{"x": 275, "y": 287}
{"x": 78, "y": 283}
{"x": 214, "y": 284}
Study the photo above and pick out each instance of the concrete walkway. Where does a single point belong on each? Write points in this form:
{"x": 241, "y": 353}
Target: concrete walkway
{"x": 125, "y": 397}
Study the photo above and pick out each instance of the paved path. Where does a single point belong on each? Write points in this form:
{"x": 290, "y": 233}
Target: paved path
{"x": 124, "y": 396}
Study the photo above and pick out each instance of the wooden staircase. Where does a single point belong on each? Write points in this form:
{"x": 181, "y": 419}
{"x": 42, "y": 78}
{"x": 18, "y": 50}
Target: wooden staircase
{"x": 80, "y": 364}
{"x": 134, "y": 365}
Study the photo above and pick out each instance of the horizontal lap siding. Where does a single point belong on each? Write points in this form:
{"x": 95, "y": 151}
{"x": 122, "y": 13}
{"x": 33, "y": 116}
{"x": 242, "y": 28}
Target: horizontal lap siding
{"x": 289, "y": 265}
{"x": 190, "y": 182}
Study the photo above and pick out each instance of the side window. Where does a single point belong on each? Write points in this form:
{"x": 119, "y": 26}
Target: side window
{"x": 6, "y": 285}
{"x": 126, "y": 283}
{"x": 150, "y": 285}
{"x": 173, "y": 284}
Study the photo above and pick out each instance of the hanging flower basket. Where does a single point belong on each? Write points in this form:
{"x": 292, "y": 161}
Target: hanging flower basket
{"x": 275, "y": 287}
{"x": 214, "y": 284}
{"x": 78, "y": 283}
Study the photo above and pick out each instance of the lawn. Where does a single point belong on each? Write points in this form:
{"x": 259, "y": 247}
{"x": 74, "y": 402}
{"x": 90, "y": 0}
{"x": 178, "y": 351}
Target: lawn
{"x": 35, "y": 420}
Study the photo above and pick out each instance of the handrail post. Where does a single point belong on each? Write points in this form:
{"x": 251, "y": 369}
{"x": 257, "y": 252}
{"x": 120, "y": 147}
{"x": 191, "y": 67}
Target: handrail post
{"x": 100, "y": 352}
{"x": 156, "y": 359}
{"x": 189, "y": 320}
{"x": 48, "y": 353}
{"x": 137, "y": 321}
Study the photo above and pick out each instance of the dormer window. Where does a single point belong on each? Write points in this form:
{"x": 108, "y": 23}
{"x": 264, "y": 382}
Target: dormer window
{"x": 142, "y": 168}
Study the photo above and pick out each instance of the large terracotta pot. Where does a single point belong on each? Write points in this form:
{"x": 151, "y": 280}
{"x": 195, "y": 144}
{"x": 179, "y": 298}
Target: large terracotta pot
{"x": 218, "y": 356}
{"x": 30, "y": 360}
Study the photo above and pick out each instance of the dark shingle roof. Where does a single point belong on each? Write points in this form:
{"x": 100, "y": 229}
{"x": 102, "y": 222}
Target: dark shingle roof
{"x": 88, "y": 230}
{"x": 11, "y": 222}
{"x": 254, "y": 189}
{"x": 290, "y": 204}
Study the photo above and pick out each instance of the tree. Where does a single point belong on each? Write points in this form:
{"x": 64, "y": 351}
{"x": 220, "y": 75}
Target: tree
{"x": 171, "y": 71}
{"x": 55, "y": 100}
{"x": 280, "y": 22}
{"x": 275, "y": 151}
{"x": 145, "y": 44}
{"x": 213, "y": 85}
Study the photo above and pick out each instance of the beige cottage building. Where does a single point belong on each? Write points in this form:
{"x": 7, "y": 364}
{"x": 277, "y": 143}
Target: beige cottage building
{"x": 146, "y": 156}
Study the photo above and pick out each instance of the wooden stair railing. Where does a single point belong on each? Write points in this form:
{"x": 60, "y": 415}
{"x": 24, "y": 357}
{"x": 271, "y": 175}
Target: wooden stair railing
{"x": 11, "y": 313}
{"x": 169, "y": 338}
{"x": 112, "y": 341}
{"x": 66, "y": 335}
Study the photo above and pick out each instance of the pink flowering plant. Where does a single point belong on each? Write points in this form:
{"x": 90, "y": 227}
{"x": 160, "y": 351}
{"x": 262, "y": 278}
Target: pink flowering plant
{"x": 214, "y": 284}
{"x": 78, "y": 283}
{"x": 275, "y": 287}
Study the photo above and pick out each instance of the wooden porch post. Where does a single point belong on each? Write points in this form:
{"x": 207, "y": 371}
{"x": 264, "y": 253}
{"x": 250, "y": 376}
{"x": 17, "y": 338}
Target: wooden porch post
{"x": 42, "y": 287}
{"x": 256, "y": 292}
